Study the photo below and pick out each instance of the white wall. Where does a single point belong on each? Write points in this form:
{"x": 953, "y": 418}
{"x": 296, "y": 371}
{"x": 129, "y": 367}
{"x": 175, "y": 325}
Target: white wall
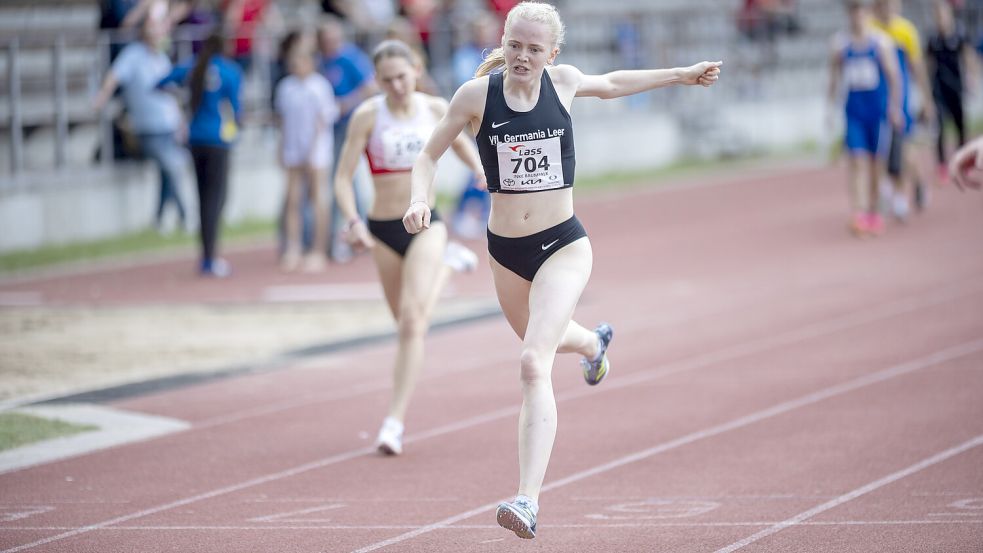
{"x": 93, "y": 203}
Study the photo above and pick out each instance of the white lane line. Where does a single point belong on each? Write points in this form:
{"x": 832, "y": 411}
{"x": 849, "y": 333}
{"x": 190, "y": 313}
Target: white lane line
{"x": 287, "y": 517}
{"x": 850, "y": 320}
{"x": 830, "y": 326}
{"x": 367, "y": 387}
{"x": 350, "y": 501}
{"x": 195, "y": 498}
{"x": 767, "y": 343}
{"x": 942, "y": 356}
{"x": 314, "y": 465}
{"x": 850, "y": 496}
{"x": 621, "y": 498}
{"x": 267, "y": 528}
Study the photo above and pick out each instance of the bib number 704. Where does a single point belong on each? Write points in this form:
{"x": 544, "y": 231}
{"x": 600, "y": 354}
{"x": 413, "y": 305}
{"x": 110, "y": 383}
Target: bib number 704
{"x": 530, "y": 164}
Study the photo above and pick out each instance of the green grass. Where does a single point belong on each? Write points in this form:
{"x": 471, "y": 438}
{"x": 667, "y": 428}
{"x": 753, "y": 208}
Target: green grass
{"x": 140, "y": 242}
{"x": 17, "y": 429}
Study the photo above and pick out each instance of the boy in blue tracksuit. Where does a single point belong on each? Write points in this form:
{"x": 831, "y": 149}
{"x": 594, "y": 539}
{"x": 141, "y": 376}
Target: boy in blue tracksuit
{"x": 863, "y": 60}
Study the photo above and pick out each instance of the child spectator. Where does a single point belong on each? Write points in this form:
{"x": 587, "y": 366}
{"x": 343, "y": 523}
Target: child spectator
{"x": 306, "y": 108}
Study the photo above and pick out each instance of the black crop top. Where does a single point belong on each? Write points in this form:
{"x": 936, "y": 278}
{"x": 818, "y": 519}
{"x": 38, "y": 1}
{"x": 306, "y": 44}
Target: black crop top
{"x": 526, "y": 151}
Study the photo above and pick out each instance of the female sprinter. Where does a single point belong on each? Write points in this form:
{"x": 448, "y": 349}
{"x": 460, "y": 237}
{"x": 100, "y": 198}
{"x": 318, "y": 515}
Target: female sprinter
{"x": 540, "y": 255}
{"x": 391, "y": 129}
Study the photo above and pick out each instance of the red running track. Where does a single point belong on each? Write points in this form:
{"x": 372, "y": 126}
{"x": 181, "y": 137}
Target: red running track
{"x": 777, "y": 386}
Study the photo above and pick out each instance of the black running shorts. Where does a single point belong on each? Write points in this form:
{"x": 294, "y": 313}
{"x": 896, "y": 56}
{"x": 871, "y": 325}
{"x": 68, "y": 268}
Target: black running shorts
{"x": 393, "y": 234}
{"x": 525, "y": 255}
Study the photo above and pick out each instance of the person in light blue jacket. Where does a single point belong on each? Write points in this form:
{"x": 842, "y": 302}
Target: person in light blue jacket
{"x": 154, "y": 115}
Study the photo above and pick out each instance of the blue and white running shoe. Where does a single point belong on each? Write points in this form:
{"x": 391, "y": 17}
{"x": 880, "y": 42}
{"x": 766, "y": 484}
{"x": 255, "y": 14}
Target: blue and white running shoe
{"x": 518, "y": 516}
{"x": 596, "y": 370}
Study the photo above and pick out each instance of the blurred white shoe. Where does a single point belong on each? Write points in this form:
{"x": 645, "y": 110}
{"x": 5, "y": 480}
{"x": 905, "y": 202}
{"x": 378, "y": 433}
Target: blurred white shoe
{"x": 900, "y": 208}
{"x": 216, "y": 268}
{"x": 291, "y": 259}
{"x": 460, "y": 258}
{"x": 341, "y": 252}
{"x": 390, "y": 440}
{"x": 314, "y": 262}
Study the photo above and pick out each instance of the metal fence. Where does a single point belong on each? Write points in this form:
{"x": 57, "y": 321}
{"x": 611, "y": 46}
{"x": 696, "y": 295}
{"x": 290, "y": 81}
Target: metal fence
{"x": 49, "y": 80}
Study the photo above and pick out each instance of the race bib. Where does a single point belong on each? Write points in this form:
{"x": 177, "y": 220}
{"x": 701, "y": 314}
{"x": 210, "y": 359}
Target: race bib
{"x": 531, "y": 165}
{"x": 400, "y": 146}
{"x": 861, "y": 74}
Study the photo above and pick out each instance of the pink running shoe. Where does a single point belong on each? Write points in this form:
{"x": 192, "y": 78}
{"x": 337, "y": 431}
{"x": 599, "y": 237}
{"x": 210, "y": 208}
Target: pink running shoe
{"x": 858, "y": 224}
{"x": 875, "y": 224}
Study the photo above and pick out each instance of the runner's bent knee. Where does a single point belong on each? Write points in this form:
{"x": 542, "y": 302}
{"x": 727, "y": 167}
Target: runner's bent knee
{"x": 534, "y": 366}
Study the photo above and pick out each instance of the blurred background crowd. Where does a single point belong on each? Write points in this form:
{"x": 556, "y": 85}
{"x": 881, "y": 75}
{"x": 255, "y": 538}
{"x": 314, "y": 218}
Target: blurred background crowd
{"x": 80, "y": 160}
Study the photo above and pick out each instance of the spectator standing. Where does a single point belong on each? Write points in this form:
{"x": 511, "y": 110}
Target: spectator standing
{"x": 502, "y": 7}
{"x": 129, "y": 14}
{"x": 112, "y": 13}
{"x": 154, "y": 115}
{"x": 242, "y": 17}
{"x": 280, "y": 67}
{"x": 863, "y": 62}
{"x": 949, "y": 54}
{"x": 484, "y": 31}
{"x": 350, "y": 72}
{"x": 214, "y": 81}
{"x": 307, "y": 111}
{"x": 901, "y": 166}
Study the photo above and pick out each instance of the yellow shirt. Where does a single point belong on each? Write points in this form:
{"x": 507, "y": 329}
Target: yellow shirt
{"x": 903, "y": 33}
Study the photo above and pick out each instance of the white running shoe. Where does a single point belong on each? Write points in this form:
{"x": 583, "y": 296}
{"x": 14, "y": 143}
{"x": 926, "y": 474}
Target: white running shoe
{"x": 460, "y": 258}
{"x": 390, "y": 440}
{"x": 518, "y": 516}
{"x": 900, "y": 208}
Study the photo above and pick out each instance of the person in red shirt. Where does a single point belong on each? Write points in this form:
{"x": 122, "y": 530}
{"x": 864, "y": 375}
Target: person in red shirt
{"x": 242, "y": 17}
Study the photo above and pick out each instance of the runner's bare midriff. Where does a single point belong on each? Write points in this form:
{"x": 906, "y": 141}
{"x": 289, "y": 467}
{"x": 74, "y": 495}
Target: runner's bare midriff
{"x": 517, "y": 215}
{"x": 392, "y": 195}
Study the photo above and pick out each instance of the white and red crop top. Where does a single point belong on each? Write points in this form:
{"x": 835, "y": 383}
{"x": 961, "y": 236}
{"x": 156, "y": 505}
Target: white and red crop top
{"x": 395, "y": 143}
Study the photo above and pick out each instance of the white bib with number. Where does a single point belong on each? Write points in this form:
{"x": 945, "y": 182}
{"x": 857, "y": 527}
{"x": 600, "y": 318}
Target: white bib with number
{"x": 861, "y": 74}
{"x": 531, "y": 165}
{"x": 400, "y": 146}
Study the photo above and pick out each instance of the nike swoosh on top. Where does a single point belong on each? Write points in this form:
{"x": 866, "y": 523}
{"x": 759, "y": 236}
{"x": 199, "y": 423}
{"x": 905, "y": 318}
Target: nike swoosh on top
{"x": 497, "y": 125}
{"x": 550, "y": 245}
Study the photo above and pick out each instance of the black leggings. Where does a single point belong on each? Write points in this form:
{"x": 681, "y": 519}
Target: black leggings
{"x": 212, "y": 173}
{"x": 951, "y": 102}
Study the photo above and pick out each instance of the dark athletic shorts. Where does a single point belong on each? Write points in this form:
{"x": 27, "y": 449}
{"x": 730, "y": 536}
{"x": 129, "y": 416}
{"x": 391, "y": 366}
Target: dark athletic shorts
{"x": 525, "y": 255}
{"x": 393, "y": 234}
{"x": 895, "y": 155}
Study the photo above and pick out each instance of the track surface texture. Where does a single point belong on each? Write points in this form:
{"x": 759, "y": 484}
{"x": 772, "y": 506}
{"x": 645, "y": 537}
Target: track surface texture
{"x": 777, "y": 385}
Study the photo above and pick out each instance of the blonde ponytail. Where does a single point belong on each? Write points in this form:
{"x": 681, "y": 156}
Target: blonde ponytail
{"x": 494, "y": 60}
